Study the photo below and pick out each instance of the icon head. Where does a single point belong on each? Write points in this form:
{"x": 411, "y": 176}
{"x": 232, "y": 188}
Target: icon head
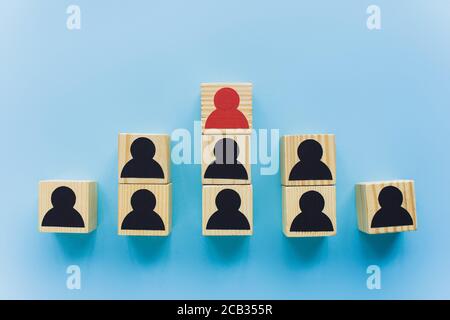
{"x": 226, "y": 99}
{"x": 63, "y": 198}
{"x": 228, "y": 200}
{"x": 311, "y": 201}
{"x": 143, "y": 200}
{"x": 226, "y": 151}
{"x": 310, "y": 151}
{"x": 142, "y": 148}
{"x": 390, "y": 197}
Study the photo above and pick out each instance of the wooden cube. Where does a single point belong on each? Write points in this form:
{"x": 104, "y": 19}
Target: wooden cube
{"x": 145, "y": 209}
{"x": 309, "y": 211}
{"x": 226, "y": 106}
{"x": 227, "y": 210}
{"x": 386, "y": 206}
{"x": 308, "y": 160}
{"x": 67, "y": 206}
{"x": 144, "y": 158}
{"x": 226, "y": 159}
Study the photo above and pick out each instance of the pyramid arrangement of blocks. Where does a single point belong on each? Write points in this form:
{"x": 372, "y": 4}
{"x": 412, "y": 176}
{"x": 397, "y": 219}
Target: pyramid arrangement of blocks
{"x": 308, "y": 179}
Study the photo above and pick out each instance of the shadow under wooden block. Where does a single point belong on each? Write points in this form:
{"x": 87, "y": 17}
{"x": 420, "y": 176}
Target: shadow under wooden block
{"x": 386, "y": 206}
{"x": 67, "y": 206}
{"x": 226, "y": 159}
{"x": 144, "y": 158}
{"x": 308, "y": 159}
{"x": 309, "y": 211}
{"x": 227, "y": 210}
{"x": 226, "y": 106}
{"x": 145, "y": 209}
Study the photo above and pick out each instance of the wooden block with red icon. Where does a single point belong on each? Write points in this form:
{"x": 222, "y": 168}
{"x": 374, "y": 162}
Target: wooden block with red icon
{"x": 226, "y": 108}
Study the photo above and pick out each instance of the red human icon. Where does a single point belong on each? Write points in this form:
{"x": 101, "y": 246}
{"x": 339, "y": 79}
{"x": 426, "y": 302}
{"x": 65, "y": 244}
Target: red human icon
{"x": 226, "y": 115}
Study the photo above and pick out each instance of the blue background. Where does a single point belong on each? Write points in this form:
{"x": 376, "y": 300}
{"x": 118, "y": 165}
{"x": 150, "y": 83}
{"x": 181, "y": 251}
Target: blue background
{"x": 137, "y": 66}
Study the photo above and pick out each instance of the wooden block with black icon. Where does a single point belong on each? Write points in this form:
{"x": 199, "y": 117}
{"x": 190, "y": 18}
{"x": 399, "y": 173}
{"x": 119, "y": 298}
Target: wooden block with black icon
{"x": 67, "y": 206}
{"x": 226, "y": 159}
{"x": 145, "y": 209}
{"x": 144, "y": 158}
{"x": 227, "y": 210}
{"x": 308, "y": 159}
{"x": 386, "y": 206}
{"x": 309, "y": 211}
{"x": 226, "y": 106}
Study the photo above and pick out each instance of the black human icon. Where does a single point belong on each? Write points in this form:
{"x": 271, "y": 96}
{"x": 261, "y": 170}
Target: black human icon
{"x": 391, "y": 214}
{"x": 143, "y": 216}
{"x": 310, "y": 166}
{"x": 63, "y": 213}
{"x": 228, "y": 216}
{"x": 142, "y": 164}
{"x": 226, "y": 165}
{"x": 311, "y": 218}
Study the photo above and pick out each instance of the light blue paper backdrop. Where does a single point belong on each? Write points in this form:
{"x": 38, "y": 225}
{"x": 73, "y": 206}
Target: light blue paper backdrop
{"x": 136, "y": 66}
